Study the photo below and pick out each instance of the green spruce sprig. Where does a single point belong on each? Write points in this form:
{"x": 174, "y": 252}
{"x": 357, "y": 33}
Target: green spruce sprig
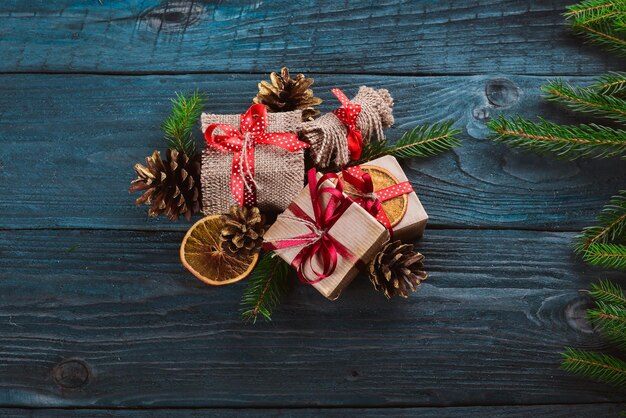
{"x": 611, "y": 320}
{"x": 596, "y": 366}
{"x": 608, "y": 292}
{"x": 586, "y": 100}
{"x": 608, "y": 256}
{"x": 613, "y": 83}
{"x": 420, "y": 142}
{"x": 611, "y": 228}
{"x": 609, "y": 317}
{"x": 564, "y": 141}
{"x": 600, "y": 21}
{"x": 594, "y": 11}
{"x": 266, "y": 287}
{"x": 178, "y": 127}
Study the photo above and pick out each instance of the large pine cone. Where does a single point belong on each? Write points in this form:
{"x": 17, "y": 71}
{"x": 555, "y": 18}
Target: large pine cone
{"x": 397, "y": 268}
{"x": 243, "y": 230}
{"x": 285, "y": 94}
{"x": 171, "y": 187}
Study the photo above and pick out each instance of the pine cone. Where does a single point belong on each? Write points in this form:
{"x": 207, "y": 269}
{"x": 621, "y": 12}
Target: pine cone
{"x": 285, "y": 94}
{"x": 397, "y": 268}
{"x": 243, "y": 230}
{"x": 172, "y": 187}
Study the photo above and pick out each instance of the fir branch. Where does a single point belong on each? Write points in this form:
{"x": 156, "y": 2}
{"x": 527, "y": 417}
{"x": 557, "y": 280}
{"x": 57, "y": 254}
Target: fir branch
{"x": 613, "y": 83}
{"x": 607, "y": 34}
{"x": 609, "y": 256}
{"x": 611, "y": 225}
{"x": 608, "y": 292}
{"x": 186, "y": 110}
{"x": 597, "y": 366}
{"x": 422, "y": 141}
{"x": 562, "y": 140}
{"x": 593, "y": 11}
{"x": 611, "y": 320}
{"x": 583, "y": 99}
{"x": 266, "y": 287}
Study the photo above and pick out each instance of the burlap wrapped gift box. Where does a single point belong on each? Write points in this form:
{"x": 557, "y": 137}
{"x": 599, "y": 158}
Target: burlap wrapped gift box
{"x": 327, "y": 135}
{"x": 356, "y": 230}
{"x": 278, "y": 173}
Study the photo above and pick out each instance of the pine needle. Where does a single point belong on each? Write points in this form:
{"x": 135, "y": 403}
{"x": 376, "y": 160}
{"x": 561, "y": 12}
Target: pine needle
{"x": 597, "y": 366}
{"x": 185, "y": 112}
{"x": 422, "y": 141}
{"x": 564, "y": 141}
{"x": 266, "y": 287}
{"x": 582, "y": 99}
{"x": 611, "y": 225}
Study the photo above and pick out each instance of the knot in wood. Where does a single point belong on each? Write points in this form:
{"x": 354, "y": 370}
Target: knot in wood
{"x": 501, "y": 92}
{"x": 576, "y": 313}
{"x": 173, "y": 16}
{"x": 71, "y": 374}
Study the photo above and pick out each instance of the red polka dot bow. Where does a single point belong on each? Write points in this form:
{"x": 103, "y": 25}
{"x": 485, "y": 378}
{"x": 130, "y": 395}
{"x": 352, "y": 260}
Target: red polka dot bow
{"x": 241, "y": 142}
{"x": 348, "y": 115}
{"x": 370, "y": 199}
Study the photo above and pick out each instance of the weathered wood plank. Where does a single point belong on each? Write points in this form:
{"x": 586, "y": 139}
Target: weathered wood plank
{"x": 69, "y": 144}
{"x": 352, "y": 36}
{"x": 547, "y": 411}
{"x": 111, "y": 318}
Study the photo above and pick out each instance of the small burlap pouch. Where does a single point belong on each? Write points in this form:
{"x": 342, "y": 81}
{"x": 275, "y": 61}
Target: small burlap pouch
{"x": 278, "y": 173}
{"x": 327, "y": 135}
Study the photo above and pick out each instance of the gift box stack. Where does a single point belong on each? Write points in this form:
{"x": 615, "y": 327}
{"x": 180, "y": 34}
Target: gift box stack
{"x": 338, "y": 211}
{"x": 336, "y": 219}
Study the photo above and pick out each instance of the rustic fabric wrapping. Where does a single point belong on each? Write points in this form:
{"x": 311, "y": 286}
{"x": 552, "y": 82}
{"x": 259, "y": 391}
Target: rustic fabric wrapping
{"x": 327, "y": 135}
{"x": 356, "y": 230}
{"x": 279, "y": 174}
{"x": 410, "y": 216}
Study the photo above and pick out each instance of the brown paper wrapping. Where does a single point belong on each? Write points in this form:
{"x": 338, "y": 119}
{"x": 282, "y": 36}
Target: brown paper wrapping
{"x": 413, "y": 223}
{"x": 356, "y": 230}
{"x": 278, "y": 172}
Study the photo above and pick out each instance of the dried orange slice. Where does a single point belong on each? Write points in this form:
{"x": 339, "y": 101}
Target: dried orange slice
{"x": 201, "y": 254}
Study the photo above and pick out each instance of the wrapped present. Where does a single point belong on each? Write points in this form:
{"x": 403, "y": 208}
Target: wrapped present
{"x": 337, "y": 138}
{"x": 381, "y": 187}
{"x": 254, "y": 159}
{"x": 325, "y": 236}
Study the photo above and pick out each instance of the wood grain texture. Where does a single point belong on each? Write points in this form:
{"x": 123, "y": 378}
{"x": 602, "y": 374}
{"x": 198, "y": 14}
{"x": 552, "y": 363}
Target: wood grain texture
{"x": 541, "y": 411}
{"x": 350, "y": 36}
{"x": 69, "y": 144}
{"x": 111, "y": 319}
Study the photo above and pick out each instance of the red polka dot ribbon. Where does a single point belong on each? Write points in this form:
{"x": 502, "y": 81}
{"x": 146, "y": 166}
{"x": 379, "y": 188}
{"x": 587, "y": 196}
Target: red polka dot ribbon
{"x": 348, "y": 114}
{"x": 318, "y": 243}
{"x": 370, "y": 199}
{"x": 241, "y": 142}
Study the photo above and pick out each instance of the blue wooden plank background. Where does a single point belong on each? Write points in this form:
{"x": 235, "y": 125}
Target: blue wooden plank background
{"x": 98, "y": 317}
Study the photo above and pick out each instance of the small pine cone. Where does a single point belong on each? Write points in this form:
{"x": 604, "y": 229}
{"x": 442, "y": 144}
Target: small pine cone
{"x": 397, "y": 268}
{"x": 171, "y": 187}
{"x": 285, "y": 94}
{"x": 243, "y": 230}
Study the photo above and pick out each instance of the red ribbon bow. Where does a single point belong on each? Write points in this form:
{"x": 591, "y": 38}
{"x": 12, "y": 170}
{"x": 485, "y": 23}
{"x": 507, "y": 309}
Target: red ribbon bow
{"x": 318, "y": 242}
{"x": 348, "y": 114}
{"x": 241, "y": 142}
{"x": 372, "y": 200}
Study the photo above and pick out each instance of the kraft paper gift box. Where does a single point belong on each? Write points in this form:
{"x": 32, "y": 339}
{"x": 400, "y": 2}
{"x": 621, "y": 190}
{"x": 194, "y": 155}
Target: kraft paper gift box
{"x": 405, "y": 212}
{"x": 356, "y": 230}
{"x": 278, "y": 173}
